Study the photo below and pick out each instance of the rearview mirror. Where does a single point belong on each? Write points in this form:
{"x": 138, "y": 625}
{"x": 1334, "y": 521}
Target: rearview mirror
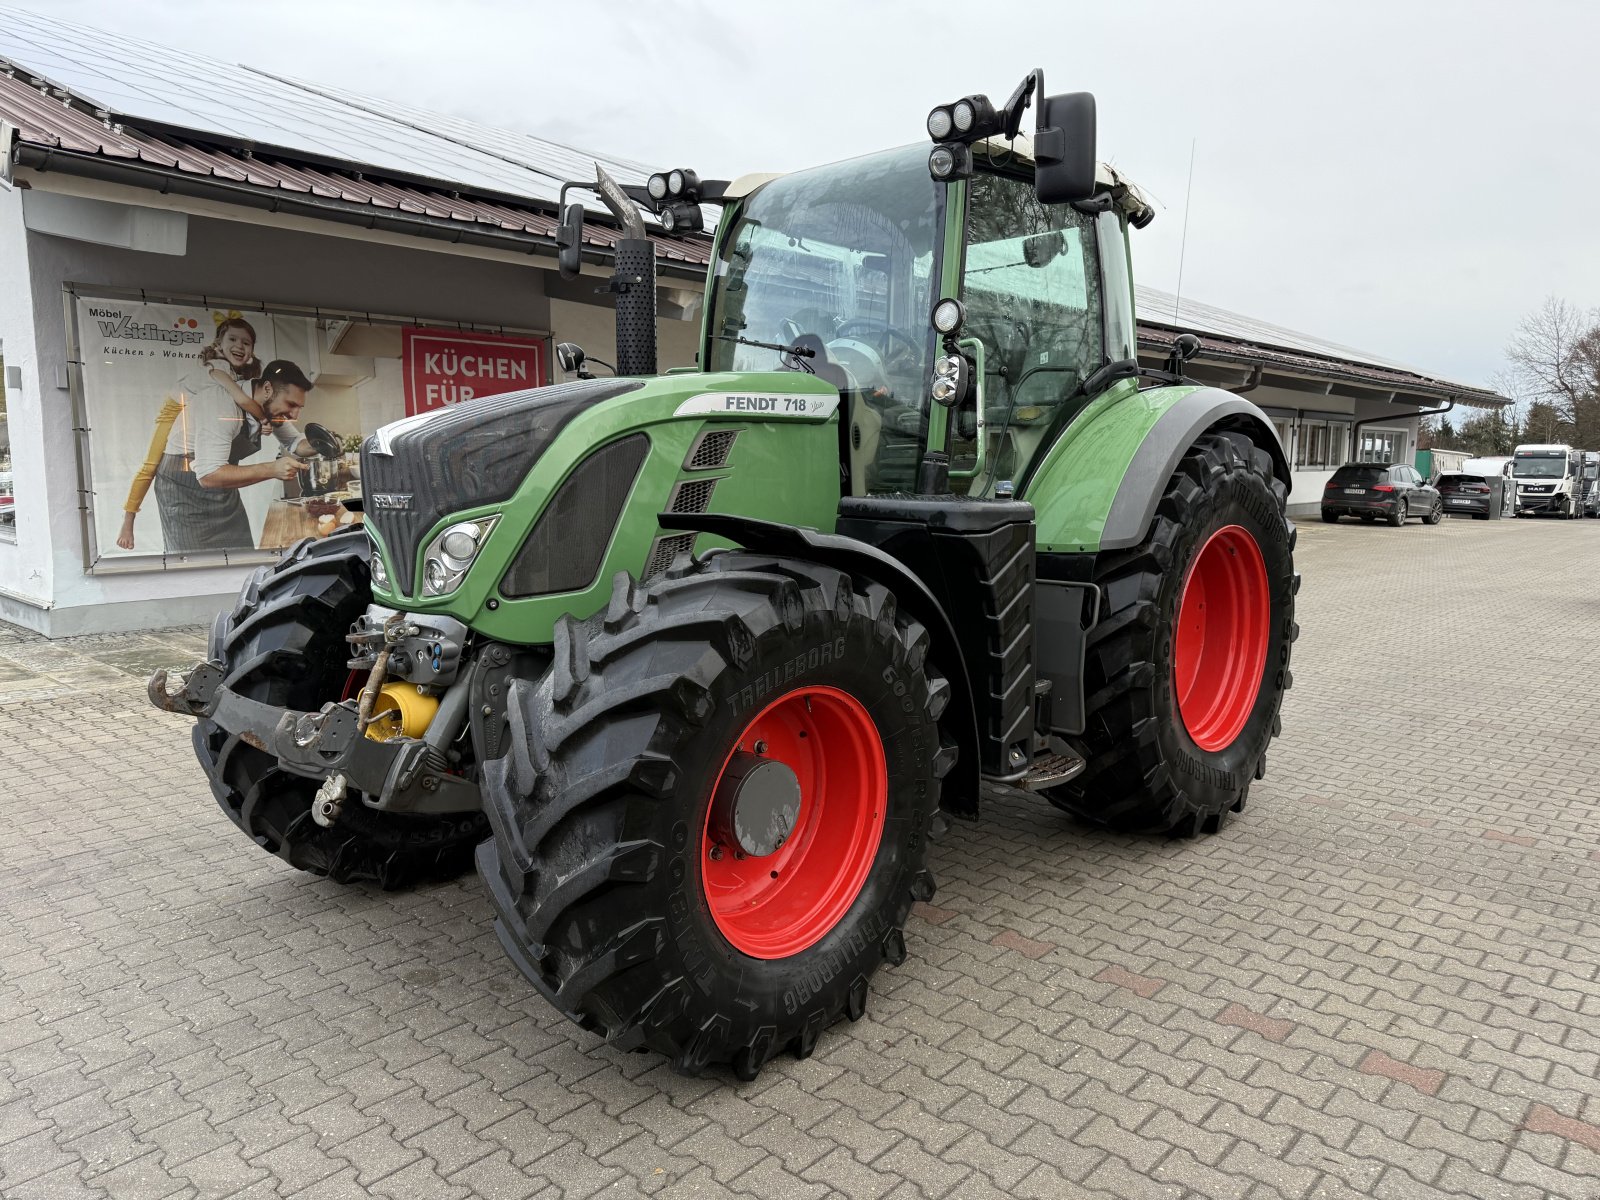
{"x": 1042, "y": 249}
{"x": 569, "y": 241}
{"x": 1064, "y": 148}
{"x": 571, "y": 358}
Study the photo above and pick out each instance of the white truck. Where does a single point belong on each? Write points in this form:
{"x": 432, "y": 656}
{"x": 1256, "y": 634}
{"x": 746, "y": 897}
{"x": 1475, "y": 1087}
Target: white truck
{"x": 1591, "y": 483}
{"x": 1549, "y": 479}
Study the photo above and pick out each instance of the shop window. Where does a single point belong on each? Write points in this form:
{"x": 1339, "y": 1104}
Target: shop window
{"x": 1338, "y": 443}
{"x": 1383, "y": 445}
{"x": 1322, "y": 444}
{"x": 1285, "y": 428}
{"x": 1313, "y": 448}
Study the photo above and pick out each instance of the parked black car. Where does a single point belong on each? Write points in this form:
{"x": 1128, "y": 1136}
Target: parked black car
{"x": 1473, "y": 496}
{"x": 1393, "y": 491}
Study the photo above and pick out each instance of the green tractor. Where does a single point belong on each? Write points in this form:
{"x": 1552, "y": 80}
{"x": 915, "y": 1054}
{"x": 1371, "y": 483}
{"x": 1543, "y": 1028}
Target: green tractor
{"x": 694, "y": 665}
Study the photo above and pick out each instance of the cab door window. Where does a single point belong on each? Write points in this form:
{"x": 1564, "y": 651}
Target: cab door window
{"x": 1031, "y": 287}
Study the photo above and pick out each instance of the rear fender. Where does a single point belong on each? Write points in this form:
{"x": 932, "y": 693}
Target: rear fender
{"x": 959, "y": 795}
{"x": 1098, "y": 486}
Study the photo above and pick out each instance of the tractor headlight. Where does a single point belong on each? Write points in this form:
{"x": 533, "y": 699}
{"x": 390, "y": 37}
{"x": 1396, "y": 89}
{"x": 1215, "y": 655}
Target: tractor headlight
{"x": 657, "y": 187}
{"x": 962, "y": 115}
{"x": 940, "y": 123}
{"x": 951, "y": 377}
{"x": 380, "y": 573}
{"x": 449, "y": 555}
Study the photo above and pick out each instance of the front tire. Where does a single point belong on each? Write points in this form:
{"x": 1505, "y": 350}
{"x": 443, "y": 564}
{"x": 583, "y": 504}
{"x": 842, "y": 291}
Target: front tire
{"x": 618, "y": 887}
{"x": 1181, "y": 708}
{"x": 283, "y": 644}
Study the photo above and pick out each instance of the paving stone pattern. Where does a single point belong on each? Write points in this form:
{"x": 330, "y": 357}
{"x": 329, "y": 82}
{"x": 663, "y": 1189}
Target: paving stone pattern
{"x": 1379, "y": 980}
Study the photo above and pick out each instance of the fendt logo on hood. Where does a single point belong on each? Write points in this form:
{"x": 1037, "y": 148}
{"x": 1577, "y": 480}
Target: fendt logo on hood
{"x": 396, "y": 501}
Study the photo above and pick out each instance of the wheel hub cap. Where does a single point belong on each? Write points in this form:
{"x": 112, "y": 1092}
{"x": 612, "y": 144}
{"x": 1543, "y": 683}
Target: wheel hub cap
{"x": 757, "y": 803}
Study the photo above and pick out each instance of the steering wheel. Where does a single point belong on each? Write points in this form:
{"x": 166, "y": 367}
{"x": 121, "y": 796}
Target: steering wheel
{"x": 880, "y": 326}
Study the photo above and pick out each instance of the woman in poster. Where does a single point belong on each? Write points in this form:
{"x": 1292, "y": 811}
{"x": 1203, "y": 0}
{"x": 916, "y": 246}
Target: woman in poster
{"x": 230, "y": 358}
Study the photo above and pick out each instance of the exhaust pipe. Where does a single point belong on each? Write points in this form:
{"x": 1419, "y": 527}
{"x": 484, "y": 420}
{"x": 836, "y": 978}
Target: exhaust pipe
{"x": 633, "y": 281}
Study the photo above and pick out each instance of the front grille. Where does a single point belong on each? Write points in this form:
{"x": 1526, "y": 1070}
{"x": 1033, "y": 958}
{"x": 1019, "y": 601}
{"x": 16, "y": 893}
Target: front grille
{"x": 710, "y": 450}
{"x": 691, "y": 496}
{"x": 564, "y": 549}
{"x": 665, "y": 550}
{"x": 417, "y": 471}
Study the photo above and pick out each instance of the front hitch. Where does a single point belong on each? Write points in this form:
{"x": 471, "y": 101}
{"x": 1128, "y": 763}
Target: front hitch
{"x": 398, "y": 775}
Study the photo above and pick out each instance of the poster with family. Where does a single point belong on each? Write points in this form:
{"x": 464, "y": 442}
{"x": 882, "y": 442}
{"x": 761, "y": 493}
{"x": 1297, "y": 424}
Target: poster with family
{"x": 217, "y": 429}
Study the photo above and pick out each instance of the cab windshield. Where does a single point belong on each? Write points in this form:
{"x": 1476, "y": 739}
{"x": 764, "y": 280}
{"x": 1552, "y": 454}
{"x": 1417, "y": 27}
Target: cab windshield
{"x": 1541, "y": 466}
{"x": 841, "y": 261}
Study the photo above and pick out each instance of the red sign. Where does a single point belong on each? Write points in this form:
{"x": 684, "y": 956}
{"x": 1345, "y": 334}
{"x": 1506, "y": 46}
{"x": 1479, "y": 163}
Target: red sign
{"x": 442, "y": 367}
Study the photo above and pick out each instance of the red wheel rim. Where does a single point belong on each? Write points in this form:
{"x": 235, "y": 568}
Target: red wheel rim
{"x": 784, "y": 902}
{"x": 1224, "y": 616}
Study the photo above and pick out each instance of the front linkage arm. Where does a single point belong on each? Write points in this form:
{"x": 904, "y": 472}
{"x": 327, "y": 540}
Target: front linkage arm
{"x": 399, "y": 775}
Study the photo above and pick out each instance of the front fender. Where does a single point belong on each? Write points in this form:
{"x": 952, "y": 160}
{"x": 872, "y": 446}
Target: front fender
{"x": 1098, "y": 486}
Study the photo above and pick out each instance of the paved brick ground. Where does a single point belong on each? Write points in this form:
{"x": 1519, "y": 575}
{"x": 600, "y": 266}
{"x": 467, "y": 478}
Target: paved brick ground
{"x": 1381, "y": 979}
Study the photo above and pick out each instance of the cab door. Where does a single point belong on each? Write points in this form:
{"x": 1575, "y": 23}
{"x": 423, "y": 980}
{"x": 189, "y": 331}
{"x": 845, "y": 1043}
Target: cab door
{"x": 1032, "y": 288}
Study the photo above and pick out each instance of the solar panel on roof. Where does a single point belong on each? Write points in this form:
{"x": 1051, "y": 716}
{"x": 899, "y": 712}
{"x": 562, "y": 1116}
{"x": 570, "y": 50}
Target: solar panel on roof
{"x": 145, "y": 81}
{"x": 1156, "y": 307}
{"x": 559, "y": 162}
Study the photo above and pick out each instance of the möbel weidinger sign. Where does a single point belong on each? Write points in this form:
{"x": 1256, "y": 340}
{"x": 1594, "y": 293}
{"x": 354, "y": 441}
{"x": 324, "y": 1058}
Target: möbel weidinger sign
{"x": 446, "y": 366}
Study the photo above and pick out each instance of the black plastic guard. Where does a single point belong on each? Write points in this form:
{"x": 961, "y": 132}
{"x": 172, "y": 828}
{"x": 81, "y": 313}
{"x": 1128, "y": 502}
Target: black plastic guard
{"x": 960, "y": 794}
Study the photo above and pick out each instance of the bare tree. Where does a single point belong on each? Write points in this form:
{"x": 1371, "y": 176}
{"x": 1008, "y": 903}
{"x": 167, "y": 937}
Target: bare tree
{"x": 1554, "y": 355}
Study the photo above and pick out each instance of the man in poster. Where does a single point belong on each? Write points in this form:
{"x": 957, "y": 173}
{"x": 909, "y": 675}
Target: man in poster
{"x": 197, "y": 484}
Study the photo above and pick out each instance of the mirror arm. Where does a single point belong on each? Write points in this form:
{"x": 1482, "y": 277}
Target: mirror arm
{"x": 1032, "y": 83}
{"x": 1111, "y": 372}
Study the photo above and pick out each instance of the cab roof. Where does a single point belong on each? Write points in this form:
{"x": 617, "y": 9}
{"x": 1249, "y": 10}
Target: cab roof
{"x": 1129, "y": 199}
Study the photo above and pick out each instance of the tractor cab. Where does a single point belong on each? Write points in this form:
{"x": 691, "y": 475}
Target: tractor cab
{"x": 838, "y": 271}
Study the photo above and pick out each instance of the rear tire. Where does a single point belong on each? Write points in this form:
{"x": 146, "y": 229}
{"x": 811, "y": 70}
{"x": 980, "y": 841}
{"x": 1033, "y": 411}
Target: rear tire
{"x": 602, "y": 870}
{"x": 283, "y": 644}
{"x": 1402, "y": 510}
{"x": 1332, "y": 518}
{"x": 1146, "y": 772}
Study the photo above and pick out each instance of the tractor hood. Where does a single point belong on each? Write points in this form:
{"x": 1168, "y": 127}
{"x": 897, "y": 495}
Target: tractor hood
{"x": 417, "y": 471}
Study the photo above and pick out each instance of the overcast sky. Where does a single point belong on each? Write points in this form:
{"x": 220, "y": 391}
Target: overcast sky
{"x": 1405, "y": 177}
